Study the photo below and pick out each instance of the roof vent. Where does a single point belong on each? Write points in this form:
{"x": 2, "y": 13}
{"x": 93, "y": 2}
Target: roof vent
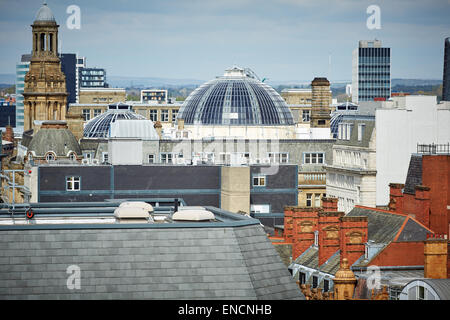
{"x": 137, "y": 204}
{"x": 130, "y": 214}
{"x": 193, "y": 214}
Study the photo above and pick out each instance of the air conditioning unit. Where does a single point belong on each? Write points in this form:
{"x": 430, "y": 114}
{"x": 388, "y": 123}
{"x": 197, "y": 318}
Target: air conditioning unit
{"x": 85, "y": 161}
{"x": 94, "y": 161}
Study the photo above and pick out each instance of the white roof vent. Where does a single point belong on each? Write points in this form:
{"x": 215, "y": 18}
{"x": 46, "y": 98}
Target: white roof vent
{"x": 193, "y": 214}
{"x": 137, "y": 204}
{"x": 130, "y": 214}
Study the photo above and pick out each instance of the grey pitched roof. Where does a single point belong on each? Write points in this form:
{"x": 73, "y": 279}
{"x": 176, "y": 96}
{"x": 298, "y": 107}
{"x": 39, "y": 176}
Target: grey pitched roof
{"x": 309, "y": 258}
{"x": 332, "y": 265}
{"x": 145, "y": 263}
{"x": 414, "y": 175}
{"x": 441, "y": 286}
{"x": 382, "y": 226}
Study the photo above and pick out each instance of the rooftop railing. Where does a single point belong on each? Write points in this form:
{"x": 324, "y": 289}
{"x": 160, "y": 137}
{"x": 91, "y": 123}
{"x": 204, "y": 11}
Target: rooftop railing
{"x": 433, "y": 148}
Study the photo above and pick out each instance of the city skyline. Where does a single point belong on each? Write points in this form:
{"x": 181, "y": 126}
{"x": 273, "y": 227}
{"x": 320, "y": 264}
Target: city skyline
{"x": 281, "y": 40}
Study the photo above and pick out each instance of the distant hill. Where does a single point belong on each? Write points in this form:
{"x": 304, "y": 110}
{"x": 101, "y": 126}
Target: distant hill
{"x": 148, "y": 82}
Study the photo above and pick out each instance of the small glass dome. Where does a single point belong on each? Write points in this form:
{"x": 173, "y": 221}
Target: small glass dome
{"x": 100, "y": 126}
{"x": 236, "y": 98}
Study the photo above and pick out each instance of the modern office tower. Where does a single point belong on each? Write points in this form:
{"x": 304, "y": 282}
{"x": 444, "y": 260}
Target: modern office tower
{"x": 68, "y": 66}
{"x": 371, "y": 72}
{"x": 22, "y": 68}
{"x": 446, "y": 80}
{"x": 92, "y": 78}
{"x": 81, "y": 63}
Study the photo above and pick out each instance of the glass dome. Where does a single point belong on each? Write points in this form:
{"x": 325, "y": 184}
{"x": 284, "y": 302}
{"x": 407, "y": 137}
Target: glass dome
{"x": 100, "y": 126}
{"x": 236, "y": 98}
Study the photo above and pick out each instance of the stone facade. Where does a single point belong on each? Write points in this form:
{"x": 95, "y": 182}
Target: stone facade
{"x": 45, "y": 94}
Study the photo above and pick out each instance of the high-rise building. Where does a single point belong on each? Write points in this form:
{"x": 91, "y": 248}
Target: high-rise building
{"x": 45, "y": 95}
{"x": 92, "y": 78}
{"x": 68, "y": 67}
{"x": 22, "y": 68}
{"x": 81, "y": 63}
{"x": 371, "y": 72}
{"x": 446, "y": 80}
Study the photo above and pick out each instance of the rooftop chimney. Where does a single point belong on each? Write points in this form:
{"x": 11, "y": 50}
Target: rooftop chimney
{"x": 436, "y": 254}
{"x": 329, "y": 229}
{"x": 396, "y": 197}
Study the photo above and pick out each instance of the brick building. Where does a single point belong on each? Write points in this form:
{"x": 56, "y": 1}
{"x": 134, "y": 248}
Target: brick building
{"x": 321, "y": 238}
{"x": 426, "y": 192}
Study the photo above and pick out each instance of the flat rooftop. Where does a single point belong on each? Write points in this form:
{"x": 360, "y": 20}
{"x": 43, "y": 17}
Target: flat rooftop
{"x": 88, "y": 215}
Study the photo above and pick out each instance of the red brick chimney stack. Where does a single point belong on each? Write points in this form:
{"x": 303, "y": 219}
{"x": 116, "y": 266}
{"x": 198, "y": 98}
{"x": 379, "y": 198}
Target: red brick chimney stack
{"x": 353, "y": 237}
{"x": 305, "y": 223}
{"x": 329, "y": 204}
{"x": 329, "y": 233}
{"x": 396, "y": 197}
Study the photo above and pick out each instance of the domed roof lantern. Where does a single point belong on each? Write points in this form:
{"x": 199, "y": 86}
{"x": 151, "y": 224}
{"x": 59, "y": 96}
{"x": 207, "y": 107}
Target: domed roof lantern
{"x": 44, "y": 14}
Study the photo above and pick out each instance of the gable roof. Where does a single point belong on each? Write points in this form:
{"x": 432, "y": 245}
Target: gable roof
{"x": 382, "y": 225}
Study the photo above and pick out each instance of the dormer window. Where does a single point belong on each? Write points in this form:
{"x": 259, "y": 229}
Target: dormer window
{"x": 50, "y": 156}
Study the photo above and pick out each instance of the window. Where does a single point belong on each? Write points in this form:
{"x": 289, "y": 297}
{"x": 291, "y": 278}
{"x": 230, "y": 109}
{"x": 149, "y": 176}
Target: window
{"x": 73, "y": 156}
{"x": 302, "y": 277}
{"x": 313, "y": 158}
{"x": 309, "y": 199}
{"x": 259, "y": 181}
{"x": 174, "y": 115}
{"x": 260, "y": 208}
{"x": 166, "y": 158}
{"x": 97, "y": 112}
{"x": 326, "y": 285}
{"x": 317, "y": 200}
{"x": 87, "y": 114}
{"x": 361, "y": 131}
{"x": 277, "y": 157}
{"x": 314, "y": 282}
{"x": 420, "y": 293}
{"x": 105, "y": 157}
{"x": 164, "y": 115}
{"x": 306, "y": 115}
{"x": 50, "y": 157}
{"x": 151, "y": 158}
{"x": 153, "y": 115}
{"x": 73, "y": 184}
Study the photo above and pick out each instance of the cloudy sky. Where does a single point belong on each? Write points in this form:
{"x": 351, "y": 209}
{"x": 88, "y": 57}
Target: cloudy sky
{"x": 197, "y": 39}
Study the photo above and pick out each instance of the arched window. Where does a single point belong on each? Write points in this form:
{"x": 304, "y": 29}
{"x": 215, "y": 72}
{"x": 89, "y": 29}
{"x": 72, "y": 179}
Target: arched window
{"x": 50, "y": 156}
{"x": 73, "y": 156}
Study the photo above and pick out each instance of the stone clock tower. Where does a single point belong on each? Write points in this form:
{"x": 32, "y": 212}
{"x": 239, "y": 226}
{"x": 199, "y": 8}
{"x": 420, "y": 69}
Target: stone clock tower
{"x": 45, "y": 95}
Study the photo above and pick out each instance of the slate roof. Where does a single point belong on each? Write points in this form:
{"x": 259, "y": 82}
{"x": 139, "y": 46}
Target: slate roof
{"x": 382, "y": 226}
{"x": 414, "y": 175}
{"x": 60, "y": 141}
{"x": 369, "y": 127}
{"x": 142, "y": 263}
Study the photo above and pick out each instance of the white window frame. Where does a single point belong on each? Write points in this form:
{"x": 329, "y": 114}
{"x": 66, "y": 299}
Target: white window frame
{"x": 152, "y": 157}
{"x": 72, "y": 180}
{"x": 168, "y": 157}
